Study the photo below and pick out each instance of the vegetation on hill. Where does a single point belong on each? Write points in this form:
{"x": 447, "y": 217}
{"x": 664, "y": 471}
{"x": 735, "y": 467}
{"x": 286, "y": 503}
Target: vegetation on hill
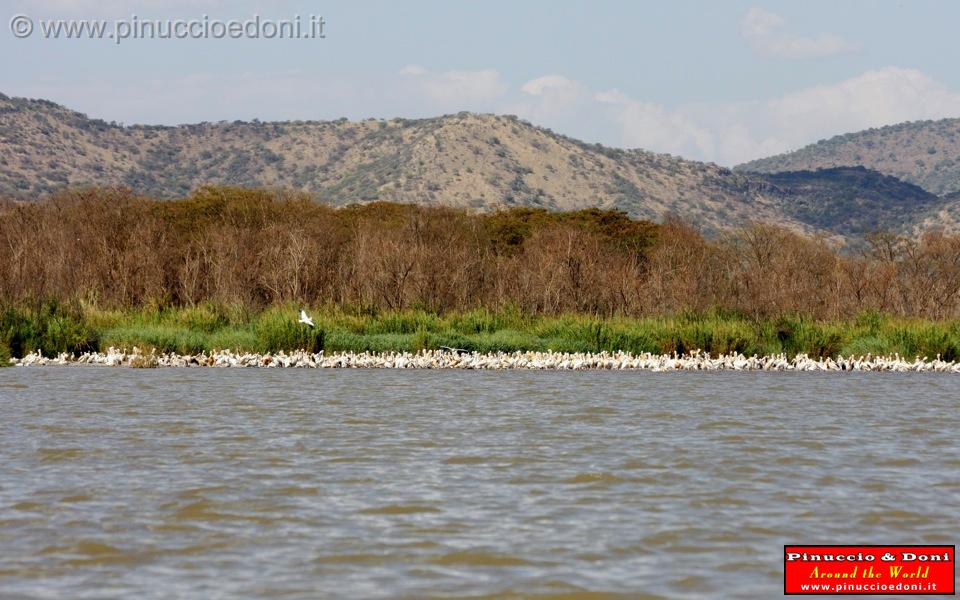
{"x": 465, "y": 160}
{"x": 478, "y": 162}
{"x": 853, "y": 201}
{"x": 925, "y": 153}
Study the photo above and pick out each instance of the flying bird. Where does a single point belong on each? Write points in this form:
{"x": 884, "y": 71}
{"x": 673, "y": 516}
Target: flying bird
{"x": 457, "y": 351}
{"x": 305, "y": 319}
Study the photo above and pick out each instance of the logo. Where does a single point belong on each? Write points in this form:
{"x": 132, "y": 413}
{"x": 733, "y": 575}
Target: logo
{"x": 873, "y": 570}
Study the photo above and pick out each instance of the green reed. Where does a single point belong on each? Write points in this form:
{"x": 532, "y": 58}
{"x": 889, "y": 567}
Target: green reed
{"x": 76, "y": 327}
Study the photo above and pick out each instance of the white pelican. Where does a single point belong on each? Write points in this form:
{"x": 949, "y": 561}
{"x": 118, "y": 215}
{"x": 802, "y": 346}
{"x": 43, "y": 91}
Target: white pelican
{"x": 305, "y": 319}
{"x": 457, "y": 351}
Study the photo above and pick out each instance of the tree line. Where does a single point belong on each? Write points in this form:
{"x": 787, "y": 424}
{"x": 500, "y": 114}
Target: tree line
{"x": 259, "y": 248}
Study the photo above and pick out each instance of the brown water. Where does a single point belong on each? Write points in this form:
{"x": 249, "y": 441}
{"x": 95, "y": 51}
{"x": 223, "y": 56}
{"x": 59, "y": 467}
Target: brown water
{"x": 368, "y": 484}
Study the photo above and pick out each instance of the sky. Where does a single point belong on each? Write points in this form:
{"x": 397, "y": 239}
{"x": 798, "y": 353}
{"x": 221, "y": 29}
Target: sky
{"x": 720, "y": 81}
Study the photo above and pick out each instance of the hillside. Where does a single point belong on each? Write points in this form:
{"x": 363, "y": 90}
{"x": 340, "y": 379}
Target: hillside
{"x": 466, "y": 160}
{"x": 925, "y": 153}
{"x": 854, "y": 200}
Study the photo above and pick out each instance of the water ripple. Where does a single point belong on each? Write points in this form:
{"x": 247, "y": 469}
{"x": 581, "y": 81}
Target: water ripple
{"x": 376, "y": 484}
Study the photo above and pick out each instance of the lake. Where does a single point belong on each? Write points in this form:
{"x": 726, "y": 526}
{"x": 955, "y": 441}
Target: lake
{"x": 226, "y": 483}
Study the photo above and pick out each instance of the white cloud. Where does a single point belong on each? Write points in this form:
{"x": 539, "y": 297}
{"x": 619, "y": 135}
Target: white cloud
{"x": 749, "y": 130}
{"x": 734, "y": 132}
{"x": 767, "y": 35}
{"x": 613, "y": 96}
{"x": 651, "y": 126}
{"x": 413, "y": 70}
{"x": 548, "y": 83}
{"x": 877, "y": 97}
{"x": 452, "y": 91}
{"x": 551, "y": 99}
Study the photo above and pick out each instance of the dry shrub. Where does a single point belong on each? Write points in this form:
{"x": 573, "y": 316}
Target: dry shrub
{"x": 258, "y": 248}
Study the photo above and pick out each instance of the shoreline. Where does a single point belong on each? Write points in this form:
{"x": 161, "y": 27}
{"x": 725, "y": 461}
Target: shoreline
{"x": 55, "y": 328}
{"x": 535, "y": 361}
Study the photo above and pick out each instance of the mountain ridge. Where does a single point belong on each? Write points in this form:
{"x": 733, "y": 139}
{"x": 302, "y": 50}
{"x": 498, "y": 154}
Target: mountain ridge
{"x": 925, "y": 153}
{"x": 467, "y": 160}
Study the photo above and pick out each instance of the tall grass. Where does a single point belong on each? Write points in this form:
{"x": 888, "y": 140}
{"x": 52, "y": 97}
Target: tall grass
{"x": 277, "y": 329}
{"x": 49, "y": 328}
{"x": 54, "y": 327}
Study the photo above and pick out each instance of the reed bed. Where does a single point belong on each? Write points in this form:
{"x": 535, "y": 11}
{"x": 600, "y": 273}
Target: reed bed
{"x": 55, "y": 328}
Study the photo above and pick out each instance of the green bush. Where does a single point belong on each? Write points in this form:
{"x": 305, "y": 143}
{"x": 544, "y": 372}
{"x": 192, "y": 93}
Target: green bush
{"x": 347, "y": 341}
{"x": 50, "y": 328}
{"x": 476, "y": 321}
{"x": 237, "y": 340}
{"x": 288, "y": 335}
{"x": 799, "y": 335}
{"x": 158, "y": 337}
{"x": 505, "y": 340}
{"x": 403, "y": 322}
{"x": 205, "y": 318}
{"x": 422, "y": 340}
{"x": 869, "y": 344}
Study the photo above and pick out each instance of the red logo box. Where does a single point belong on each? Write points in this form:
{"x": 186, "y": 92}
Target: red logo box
{"x": 869, "y": 570}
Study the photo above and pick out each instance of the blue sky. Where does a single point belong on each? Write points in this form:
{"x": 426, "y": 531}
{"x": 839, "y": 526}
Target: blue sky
{"x": 718, "y": 81}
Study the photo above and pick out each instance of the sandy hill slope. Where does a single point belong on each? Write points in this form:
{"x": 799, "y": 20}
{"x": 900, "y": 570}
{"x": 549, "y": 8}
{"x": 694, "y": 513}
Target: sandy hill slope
{"x": 925, "y": 153}
{"x": 465, "y": 160}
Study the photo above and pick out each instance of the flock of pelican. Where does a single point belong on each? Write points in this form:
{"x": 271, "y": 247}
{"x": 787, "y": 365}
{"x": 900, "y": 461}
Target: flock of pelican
{"x": 461, "y": 359}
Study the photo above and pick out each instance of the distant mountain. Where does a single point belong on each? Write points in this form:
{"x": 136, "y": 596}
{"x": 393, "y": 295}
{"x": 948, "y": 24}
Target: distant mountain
{"x": 853, "y": 200}
{"x": 925, "y": 153}
{"x": 464, "y": 160}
